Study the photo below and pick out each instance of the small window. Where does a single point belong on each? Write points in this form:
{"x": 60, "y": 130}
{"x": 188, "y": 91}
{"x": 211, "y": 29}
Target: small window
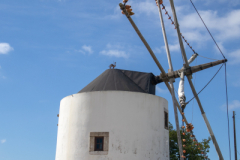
{"x": 98, "y": 144}
{"x": 166, "y": 120}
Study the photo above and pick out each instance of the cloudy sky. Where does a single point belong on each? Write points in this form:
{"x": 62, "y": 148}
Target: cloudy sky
{"x": 50, "y": 49}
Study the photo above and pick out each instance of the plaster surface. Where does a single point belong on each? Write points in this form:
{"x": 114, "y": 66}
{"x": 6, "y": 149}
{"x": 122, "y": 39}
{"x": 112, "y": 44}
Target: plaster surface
{"x": 135, "y": 122}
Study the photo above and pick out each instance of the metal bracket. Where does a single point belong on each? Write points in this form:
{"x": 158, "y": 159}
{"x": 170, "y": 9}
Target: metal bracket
{"x": 172, "y": 79}
{"x": 164, "y": 78}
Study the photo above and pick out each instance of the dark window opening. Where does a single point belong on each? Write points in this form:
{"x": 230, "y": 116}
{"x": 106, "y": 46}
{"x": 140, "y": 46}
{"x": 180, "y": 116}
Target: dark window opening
{"x": 98, "y": 144}
{"x": 166, "y": 119}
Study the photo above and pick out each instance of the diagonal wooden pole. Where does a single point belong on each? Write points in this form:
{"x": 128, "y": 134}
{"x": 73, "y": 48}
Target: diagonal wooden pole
{"x": 171, "y": 82}
{"x": 152, "y": 54}
{"x": 191, "y": 84}
{"x": 234, "y": 135}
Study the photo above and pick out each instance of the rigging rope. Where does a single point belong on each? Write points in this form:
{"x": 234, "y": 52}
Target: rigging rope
{"x": 194, "y": 85}
{"x": 183, "y": 135}
{"x": 206, "y": 84}
{"x": 208, "y": 58}
{"x": 208, "y": 29}
{"x": 225, "y": 76}
{"x": 227, "y": 110}
{"x": 170, "y": 18}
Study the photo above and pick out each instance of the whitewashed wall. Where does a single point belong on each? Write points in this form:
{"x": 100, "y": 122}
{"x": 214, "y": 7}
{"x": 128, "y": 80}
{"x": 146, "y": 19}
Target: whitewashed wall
{"x": 135, "y": 122}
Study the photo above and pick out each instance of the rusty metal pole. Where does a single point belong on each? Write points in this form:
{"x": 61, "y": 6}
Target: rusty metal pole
{"x": 191, "y": 84}
{"x": 171, "y": 82}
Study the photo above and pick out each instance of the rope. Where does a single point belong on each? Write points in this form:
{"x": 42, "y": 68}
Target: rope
{"x": 192, "y": 111}
{"x": 208, "y": 58}
{"x": 170, "y": 18}
{"x": 208, "y": 29}
{"x": 227, "y": 110}
{"x": 206, "y": 84}
{"x": 194, "y": 85}
{"x": 217, "y": 72}
{"x": 183, "y": 136}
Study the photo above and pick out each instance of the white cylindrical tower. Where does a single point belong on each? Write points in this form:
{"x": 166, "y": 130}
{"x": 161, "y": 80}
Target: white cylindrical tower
{"x": 113, "y": 125}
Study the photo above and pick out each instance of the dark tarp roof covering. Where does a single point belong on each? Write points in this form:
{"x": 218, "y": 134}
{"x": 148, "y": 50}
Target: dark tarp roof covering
{"x": 122, "y": 80}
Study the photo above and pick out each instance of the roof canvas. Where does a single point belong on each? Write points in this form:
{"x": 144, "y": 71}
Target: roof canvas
{"x": 122, "y": 80}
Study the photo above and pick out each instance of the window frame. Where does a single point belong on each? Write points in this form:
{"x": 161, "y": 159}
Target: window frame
{"x": 166, "y": 119}
{"x": 92, "y": 143}
{"x": 95, "y": 145}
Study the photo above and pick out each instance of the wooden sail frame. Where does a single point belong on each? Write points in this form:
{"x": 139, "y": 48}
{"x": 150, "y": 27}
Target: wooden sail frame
{"x": 163, "y": 74}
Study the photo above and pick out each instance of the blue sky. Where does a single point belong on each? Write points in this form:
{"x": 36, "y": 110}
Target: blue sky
{"x": 50, "y": 49}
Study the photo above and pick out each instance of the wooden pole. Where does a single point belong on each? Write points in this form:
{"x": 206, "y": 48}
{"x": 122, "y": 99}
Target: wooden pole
{"x": 171, "y": 82}
{"x": 190, "y": 70}
{"x": 234, "y": 132}
{"x": 191, "y": 84}
{"x": 152, "y": 54}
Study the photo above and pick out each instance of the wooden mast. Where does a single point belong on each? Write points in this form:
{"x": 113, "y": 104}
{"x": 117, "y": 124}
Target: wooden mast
{"x": 171, "y": 81}
{"x": 191, "y": 84}
{"x": 163, "y": 73}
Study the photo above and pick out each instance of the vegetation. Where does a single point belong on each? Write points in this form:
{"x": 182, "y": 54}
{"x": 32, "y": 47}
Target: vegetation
{"x": 193, "y": 151}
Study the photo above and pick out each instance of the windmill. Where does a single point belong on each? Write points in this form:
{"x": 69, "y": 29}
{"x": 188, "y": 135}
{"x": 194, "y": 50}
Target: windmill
{"x": 186, "y": 71}
{"x": 117, "y": 115}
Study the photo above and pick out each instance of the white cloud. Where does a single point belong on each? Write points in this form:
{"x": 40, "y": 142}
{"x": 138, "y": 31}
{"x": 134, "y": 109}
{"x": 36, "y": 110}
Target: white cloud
{"x": 160, "y": 90}
{"x": 147, "y": 7}
{"x": 235, "y": 104}
{"x": 86, "y": 49}
{"x": 114, "y": 53}
{"x": 224, "y": 27}
{"x": 220, "y": 45}
{"x": 228, "y": 2}
{"x": 5, "y": 48}
{"x": 115, "y": 50}
{"x": 81, "y": 51}
{"x": 110, "y": 46}
{"x": 234, "y": 57}
{"x": 233, "y": 2}
{"x": 195, "y": 35}
{"x": 3, "y": 141}
{"x": 174, "y": 47}
{"x": 157, "y": 50}
{"x": 116, "y": 13}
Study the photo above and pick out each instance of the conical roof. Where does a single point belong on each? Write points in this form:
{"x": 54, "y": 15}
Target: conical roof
{"x": 122, "y": 80}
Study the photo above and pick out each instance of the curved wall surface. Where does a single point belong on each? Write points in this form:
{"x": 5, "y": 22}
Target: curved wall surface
{"x": 133, "y": 121}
